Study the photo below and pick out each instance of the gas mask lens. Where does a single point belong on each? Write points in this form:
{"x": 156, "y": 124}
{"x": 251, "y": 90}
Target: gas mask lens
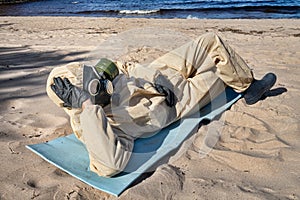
{"x": 94, "y": 87}
{"x": 97, "y": 86}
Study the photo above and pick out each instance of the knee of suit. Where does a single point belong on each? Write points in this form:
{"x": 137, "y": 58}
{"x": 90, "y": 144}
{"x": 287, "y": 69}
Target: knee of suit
{"x": 72, "y": 71}
{"x": 54, "y": 73}
{"x": 208, "y": 39}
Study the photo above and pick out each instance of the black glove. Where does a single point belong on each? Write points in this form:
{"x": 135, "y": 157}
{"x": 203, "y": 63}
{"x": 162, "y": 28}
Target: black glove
{"x": 71, "y": 95}
{"x": 170, "y": 97}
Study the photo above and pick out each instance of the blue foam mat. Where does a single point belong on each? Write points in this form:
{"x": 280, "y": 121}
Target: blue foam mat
{"x": 71, "y": 156}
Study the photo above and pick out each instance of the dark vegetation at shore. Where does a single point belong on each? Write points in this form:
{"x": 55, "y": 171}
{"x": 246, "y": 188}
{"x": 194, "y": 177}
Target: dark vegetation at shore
{"x": 13, "y": 1}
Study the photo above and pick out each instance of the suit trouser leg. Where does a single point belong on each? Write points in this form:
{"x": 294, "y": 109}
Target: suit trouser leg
{"x": 200, "y": 70}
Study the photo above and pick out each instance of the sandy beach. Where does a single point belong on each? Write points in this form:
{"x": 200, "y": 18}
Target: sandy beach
{"x": 257, "y": 155}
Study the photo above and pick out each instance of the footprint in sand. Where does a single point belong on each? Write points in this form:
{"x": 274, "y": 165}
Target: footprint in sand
{"x": 31, "y": 183}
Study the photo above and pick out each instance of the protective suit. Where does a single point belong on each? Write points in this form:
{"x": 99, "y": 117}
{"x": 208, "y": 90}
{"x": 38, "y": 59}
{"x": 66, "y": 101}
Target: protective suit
{"x": 196, "y": 73}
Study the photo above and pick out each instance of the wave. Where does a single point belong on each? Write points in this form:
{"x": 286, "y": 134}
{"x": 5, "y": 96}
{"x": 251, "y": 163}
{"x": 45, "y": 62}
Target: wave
{"x": 117, "y": 12}
{"x": 191, "y": 17}
{"x": 138, "y": 12}
{"x": 183, "y": 3}
{"x": 264, "y": 9}
{"x": 268, "y": 8}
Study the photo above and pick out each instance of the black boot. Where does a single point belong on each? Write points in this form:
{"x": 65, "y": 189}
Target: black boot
{"x": 258, "y": 88}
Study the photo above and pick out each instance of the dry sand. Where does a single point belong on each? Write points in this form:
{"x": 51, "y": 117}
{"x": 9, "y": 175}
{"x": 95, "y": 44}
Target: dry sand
{"x": 257, "y": 155}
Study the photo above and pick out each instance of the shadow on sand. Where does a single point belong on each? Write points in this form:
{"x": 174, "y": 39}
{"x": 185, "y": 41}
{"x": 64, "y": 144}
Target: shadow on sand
{"x": 24, "y": 70}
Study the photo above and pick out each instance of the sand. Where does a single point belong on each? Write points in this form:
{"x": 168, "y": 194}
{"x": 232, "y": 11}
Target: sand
{"x": 252, "y": 152}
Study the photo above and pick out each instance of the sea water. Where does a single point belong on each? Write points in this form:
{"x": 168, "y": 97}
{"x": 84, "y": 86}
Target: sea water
{"x": 157, "y": 8}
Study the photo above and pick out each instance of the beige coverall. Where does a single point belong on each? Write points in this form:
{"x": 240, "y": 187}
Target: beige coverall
{"x": 196, "y": 73}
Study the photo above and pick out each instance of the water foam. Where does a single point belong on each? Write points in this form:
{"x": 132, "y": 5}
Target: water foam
{"x": 138, "y": 12}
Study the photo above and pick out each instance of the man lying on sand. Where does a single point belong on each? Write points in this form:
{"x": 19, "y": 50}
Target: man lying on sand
{"x": 112, "y": 104}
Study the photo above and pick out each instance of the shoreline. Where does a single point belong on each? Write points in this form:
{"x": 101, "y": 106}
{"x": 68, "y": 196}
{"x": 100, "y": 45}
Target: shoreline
{"x": 256, "y": 157}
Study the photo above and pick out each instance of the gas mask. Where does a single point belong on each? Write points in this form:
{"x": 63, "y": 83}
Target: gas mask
{"x": 97, "y": 80}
